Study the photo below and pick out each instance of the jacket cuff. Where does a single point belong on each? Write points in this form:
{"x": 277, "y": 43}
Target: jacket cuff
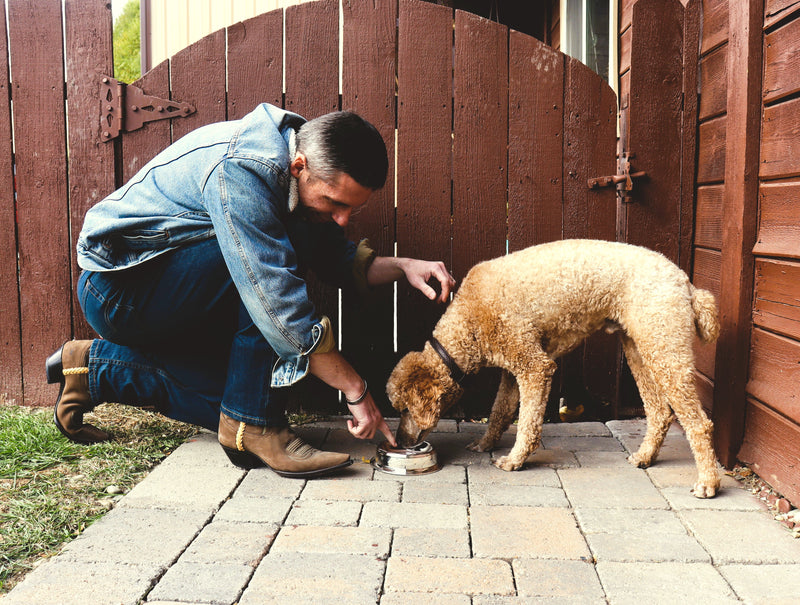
{"x": 361, "y": 264}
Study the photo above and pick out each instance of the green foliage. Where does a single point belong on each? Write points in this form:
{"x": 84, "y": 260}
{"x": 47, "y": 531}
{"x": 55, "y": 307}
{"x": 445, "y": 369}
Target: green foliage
{"x": 127, "y": 51}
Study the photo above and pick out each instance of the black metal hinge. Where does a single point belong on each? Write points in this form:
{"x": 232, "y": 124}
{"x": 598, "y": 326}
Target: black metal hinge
{"x": 125, "y": 107}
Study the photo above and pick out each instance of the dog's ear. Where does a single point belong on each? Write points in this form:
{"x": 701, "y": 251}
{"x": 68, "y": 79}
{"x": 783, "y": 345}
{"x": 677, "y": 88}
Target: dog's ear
{"x": 416, "y": 385}
{"x": 399, "y": 382}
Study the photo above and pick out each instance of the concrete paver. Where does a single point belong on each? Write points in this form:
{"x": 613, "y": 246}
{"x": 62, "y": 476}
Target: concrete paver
{"x": 578, "y": 525}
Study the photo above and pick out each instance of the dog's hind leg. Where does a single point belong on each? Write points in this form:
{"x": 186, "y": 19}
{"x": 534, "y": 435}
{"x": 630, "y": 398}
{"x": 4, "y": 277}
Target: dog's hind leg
{"x": 673, "y": 387}
{"x": 534, "y": 390}
{"x": 503, "y": 410}
{"x": 659, "y": 416}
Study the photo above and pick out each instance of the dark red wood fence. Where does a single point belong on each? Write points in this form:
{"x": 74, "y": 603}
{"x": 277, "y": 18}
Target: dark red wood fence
{"x": 493, "y": 136}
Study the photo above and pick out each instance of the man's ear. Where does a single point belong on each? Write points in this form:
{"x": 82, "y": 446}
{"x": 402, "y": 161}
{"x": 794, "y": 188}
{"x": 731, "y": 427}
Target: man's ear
{"x": 297, "y": 165}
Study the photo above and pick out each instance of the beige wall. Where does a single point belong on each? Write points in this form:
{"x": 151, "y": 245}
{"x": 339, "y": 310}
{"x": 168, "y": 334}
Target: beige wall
{"x": 171, "y": 25}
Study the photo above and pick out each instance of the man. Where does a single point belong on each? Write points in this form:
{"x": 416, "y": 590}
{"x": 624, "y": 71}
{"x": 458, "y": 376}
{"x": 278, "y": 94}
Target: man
{"x": 193, "y": 276}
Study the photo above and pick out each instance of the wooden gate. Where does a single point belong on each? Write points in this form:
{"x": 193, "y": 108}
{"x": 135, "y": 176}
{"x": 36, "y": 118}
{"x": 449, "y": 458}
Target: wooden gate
{"x": 493, "y": 134}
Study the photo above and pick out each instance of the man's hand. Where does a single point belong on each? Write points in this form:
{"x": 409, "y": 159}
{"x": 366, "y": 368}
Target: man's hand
{"x": 367, "y": 420}
{"x": 386, "y": 269}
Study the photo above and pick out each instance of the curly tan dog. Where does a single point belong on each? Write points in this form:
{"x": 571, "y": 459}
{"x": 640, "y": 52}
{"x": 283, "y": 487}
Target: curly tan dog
{"x": 522, "y": 311}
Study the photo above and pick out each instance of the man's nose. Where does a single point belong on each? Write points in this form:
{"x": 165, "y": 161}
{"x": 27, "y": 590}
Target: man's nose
{"x": 341, "y": 216}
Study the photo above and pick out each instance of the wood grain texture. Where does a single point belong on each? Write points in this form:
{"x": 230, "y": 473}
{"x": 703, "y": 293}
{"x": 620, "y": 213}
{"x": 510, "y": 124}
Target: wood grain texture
{"x": 655, "y": 128}
{"x": 255, "y": 63}
{"x": 779, "y": 220}
{"x": 743, "y": 123}
{"x": 369, "y": 70}
{"x": 776, "y": 302}
{"x": 140, "y": 146}
{"x": 312, "y": 89}
{"x": 10, "y": 343}
{"x": 713, "y": 83}
{"x": 772, "y": 448}
{"x": 780, "y": 141}
{"x": 35, "y": 39}
{"x": 91, "y": 161}
{"x": 781, "y": 62}
{"x": 424, "y": 155}
{"x": 708, "y": 216}
{"x": 535, "y": 135}
{"x": 197, "y": 76}
{"x": 480, "y": 127}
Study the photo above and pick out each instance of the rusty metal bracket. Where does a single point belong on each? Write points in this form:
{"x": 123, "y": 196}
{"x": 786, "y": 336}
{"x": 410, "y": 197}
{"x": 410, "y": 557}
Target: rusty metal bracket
{"x": 622, "y": 181}
{"x": 125, "y": 107}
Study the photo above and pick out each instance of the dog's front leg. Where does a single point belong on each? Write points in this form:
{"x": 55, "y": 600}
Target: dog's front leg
{"x": 534, "y": 392}
{"x": 503, "y": 410}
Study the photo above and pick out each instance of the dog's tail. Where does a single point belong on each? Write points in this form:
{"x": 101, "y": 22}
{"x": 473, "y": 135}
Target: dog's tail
{"x": 706, "y": 318}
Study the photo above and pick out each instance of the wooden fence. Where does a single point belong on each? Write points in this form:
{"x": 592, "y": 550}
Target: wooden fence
{"x": 493, "y": 137}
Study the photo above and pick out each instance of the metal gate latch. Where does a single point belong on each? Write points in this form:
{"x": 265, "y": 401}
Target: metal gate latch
{"x": 622, "y": 181}
{"x": 125, "y": 107}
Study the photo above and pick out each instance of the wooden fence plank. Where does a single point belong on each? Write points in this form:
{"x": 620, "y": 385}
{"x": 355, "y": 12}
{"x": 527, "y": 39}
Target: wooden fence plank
{"x": 91, "y": 161}
{"x": 706, "y": 275}
{"x": 715, "y": 24}
{"x": 589, "y": 151}
{"x": 480, "y": 124}
{"x": 535, "y": 133}
{"x": 780, "y": 141}
{"x": 312, "y": 89}
{"x": 255, "y": 63}
{"x": 711, "y": 143}
{"x": 771, "y": 446}
{"x": 197, "y": 76}
{"x": 654, "y": 127}
{"x": 312, "y": 58}
{"x": 713, "y": 78}
{"x": 368, "y": 87}
{"x": 424, "y": 161}
{"x": 781, "y": 62}
{"x": 692, "y": 18}
{"x": 44, "y": 262}
{"x": 140, "y": 146}
{"x": 10, "y": 351}
{"x": 776, "y": 302}
{"x": 708, "y": 216}
{"x": 774, "y": 376}
{"x": 778, "y": 226}
{"x": 480, "y": 164}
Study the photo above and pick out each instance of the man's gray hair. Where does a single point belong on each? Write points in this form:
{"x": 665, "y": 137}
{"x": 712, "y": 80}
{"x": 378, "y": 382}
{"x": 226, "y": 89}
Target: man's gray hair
{"x": 344, "y": 142}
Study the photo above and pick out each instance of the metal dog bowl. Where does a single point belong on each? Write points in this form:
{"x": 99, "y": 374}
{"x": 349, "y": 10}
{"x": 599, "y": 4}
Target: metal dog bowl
{"x": 418, "y": 459}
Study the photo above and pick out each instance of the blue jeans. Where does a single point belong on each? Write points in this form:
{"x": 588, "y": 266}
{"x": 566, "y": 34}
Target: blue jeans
{"x": 176, "y": 336}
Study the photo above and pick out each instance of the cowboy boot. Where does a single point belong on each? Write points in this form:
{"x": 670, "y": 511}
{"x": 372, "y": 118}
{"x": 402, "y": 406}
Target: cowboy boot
{"x": 249, "y": 446}
{"x": 69, "y": 366}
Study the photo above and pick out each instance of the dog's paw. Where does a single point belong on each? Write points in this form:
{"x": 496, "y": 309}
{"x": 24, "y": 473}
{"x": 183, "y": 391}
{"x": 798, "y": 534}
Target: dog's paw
{"x": 702, "y": 490}
{"x": 479, "y": 446}
{"x": 638, "y": 461}
{"x": 505, "y": 463}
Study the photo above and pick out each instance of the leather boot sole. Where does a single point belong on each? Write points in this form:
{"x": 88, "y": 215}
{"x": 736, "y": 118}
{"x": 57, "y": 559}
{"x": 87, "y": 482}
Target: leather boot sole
{"x": 248, "y": 460}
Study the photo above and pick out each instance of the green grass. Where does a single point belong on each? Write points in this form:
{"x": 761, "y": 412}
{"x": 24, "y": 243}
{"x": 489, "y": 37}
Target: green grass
{"x": 51, "y": 489}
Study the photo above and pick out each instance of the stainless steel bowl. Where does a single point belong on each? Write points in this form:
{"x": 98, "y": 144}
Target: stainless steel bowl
{"x": 419, "y": 459}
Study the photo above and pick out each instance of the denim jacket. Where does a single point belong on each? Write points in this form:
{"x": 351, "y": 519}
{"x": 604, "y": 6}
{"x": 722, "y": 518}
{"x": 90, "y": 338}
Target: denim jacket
{"x": 231, "y": 181}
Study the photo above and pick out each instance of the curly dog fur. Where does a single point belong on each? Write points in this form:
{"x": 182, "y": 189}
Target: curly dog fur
{"x": 522, "y": 311}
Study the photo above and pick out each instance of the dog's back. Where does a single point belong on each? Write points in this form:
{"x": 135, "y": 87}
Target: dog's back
{"x": 578, "y": 286}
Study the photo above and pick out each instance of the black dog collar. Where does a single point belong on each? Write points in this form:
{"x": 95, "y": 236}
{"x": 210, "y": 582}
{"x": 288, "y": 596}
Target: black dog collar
{"x": 455, "y": 372}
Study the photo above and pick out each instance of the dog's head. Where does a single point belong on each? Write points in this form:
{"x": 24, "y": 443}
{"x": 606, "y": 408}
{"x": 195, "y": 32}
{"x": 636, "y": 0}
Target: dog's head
{"x": 420, "y": 387}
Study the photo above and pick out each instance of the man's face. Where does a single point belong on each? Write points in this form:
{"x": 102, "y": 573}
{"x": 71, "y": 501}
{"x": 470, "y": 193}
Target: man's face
{"x": 324, "y": 202}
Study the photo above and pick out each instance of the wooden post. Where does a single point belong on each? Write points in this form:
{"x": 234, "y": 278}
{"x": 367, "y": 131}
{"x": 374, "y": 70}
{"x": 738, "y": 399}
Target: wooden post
{"x": 744, "y": 74}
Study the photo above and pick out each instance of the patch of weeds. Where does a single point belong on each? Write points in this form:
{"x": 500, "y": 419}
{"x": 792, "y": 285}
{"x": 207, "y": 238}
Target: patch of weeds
{"x": 52, "y": 489}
